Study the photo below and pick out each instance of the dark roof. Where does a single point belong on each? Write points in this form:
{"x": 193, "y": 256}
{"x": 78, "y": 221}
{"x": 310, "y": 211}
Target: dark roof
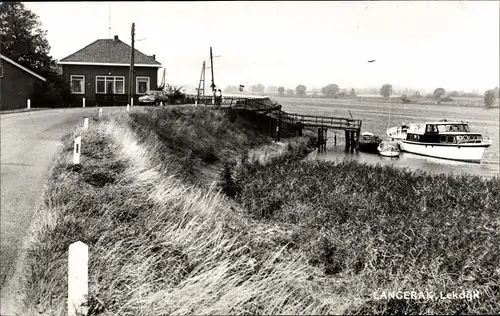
{"x": 22, "y": 67}
{"x": 109, "y": 51}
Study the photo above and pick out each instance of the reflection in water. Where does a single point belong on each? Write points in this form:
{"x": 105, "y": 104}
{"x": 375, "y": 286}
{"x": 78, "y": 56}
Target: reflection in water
{"x": 411, "y": 161}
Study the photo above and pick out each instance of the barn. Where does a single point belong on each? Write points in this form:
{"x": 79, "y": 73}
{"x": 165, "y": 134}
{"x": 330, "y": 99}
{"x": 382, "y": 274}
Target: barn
{"x": 17, "y": 84}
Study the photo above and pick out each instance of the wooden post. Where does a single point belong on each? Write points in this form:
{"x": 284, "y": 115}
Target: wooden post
{"x": 132, "y": 101}
{"x": 353, "y": 140}
{"x": 100, "y": 113}
{"x": 83, "y": 102}
{"x": 278, "y": 127}
{"x": 86, "y": 123}
{"x": 76, "y": 150}
{"x": 335, "y": 139}
{"x": 319, "y": 141}
{"x": 29, "y": 104}
{"x": 78, "y": 279}
{"x": 347, "y": 141}
{"x": 326, "y": 138}
{"x": 128, "y": 108}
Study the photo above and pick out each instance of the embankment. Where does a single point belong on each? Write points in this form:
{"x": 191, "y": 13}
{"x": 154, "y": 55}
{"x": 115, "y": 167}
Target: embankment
{"x": 297, "y": 238}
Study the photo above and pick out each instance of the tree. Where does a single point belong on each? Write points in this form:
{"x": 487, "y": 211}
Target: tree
{"x": 454, "y": 93}
{"x": 353, "y": 93}
{"x": 386, "y": 90}
{"x": 330, "y": 90}
{"x": 290, "y": 92}
{"x": 417, "y": 94}
{"x": 23, "y": 40}
{"x": 489, "y": 98}
{"x": 281, "y": 91}
{"x": 300, "y": 90}
{"x": 405, "y": 99}
{"x": 272, "y": 89}
{"x": 438, "y": 93}
{"x": 258, "y": 88}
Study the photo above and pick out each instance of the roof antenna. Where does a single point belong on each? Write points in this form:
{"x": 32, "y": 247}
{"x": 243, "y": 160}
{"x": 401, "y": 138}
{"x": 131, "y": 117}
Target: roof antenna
{"x": 109, "y": 22}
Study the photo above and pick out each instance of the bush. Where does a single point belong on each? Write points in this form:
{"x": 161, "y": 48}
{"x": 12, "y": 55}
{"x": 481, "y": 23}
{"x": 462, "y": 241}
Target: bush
{"x": 447, "y": 99}
{"x": 405, "y": 99}
{"x": 489, "y": 98}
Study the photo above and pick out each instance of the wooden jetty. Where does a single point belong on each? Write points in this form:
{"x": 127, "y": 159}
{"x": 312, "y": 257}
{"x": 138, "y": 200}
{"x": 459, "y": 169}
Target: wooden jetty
{"x": 264, "y": 105}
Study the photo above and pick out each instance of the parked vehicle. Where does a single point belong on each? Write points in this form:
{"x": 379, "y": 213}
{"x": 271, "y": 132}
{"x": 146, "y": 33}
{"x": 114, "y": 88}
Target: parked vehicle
{"x": 447, "y": 140}
{"x": 153, "y": 97}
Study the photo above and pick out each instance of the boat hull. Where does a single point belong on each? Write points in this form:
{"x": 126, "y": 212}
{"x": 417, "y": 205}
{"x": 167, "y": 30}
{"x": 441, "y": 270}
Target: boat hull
{"x": 368, "y": 147}
{"x": 462, "y": 152}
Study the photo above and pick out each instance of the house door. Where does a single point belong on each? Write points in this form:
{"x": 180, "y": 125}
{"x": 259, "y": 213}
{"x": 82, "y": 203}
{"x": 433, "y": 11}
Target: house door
{"x": 110, "y": 86}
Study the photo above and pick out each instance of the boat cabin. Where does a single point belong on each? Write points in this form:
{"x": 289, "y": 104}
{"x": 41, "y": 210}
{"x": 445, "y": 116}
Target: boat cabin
{"x": 442, "y": 132}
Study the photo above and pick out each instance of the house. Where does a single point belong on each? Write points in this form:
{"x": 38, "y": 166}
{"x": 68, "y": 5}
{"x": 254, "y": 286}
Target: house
{"x": 17, "y": 84}
{"x": 99, "y": 72}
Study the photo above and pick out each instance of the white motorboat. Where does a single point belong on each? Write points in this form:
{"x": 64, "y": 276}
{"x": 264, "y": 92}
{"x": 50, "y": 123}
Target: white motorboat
{"x": 389, "y": 149}
{"x": 397, "y": 133}
{"x": 447, "y": 140}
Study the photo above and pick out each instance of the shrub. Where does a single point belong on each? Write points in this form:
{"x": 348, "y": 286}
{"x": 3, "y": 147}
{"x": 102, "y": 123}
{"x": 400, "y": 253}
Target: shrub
{"x": 405, "y": 99}
{"x": 489, "y": 98}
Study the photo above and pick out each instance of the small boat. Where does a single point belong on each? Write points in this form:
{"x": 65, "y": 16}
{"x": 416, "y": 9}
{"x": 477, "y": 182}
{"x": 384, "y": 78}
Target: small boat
{"x": 389, "y": 149}
{"x": 369, "y": 142}
{"x": 447, "y": 140}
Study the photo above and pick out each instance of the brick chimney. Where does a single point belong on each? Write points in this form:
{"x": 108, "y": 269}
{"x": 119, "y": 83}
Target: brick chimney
{"x": 116, "y": 38}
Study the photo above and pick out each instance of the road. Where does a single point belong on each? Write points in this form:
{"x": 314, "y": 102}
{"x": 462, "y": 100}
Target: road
{"x": 29, "y": 142}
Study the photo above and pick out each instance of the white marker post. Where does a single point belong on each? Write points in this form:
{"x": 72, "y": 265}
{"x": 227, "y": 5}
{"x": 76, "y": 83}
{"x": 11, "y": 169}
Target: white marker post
{"x": 128, "y": 107}
{"x": 78, "y": 279}
{"x": 77, "y": 149}
{"x": 196, "y": 103}
{"x": 131, "y": 101}
{"x": 29, "y": 104}
{"x": 100, "y": 113}
{"x": 86, "y": 123}
{"x": 83, "y": 102}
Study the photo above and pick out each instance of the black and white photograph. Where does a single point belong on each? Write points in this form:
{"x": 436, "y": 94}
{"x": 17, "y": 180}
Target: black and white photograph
{"x": 249, "y": 158}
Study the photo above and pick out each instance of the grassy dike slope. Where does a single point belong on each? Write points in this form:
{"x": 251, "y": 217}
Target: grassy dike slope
{"x": 158, "y": 244}
{"x": 298, "y": 237}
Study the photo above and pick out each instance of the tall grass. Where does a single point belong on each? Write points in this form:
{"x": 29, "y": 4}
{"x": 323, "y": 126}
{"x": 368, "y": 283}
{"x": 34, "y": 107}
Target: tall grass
{"x": 159, "y": 245}
{"x": 391, "y": 229}
{"x": 305, "y": 237}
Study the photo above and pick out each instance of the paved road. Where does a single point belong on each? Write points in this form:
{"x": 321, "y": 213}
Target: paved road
{"x": 29, "y": 142}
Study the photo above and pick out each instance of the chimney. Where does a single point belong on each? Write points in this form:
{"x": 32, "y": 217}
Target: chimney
{"x": 154, "y": 56}
{"x": 116, "y": 38}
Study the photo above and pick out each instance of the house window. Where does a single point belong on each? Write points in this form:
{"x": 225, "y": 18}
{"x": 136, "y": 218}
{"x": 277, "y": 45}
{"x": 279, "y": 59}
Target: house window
{"x": 110, "y": 85}
{"x": 141, "y": 85}
{"x": 77, "y": 84}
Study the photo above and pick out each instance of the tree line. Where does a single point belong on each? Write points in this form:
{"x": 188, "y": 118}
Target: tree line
{"x": 333, "y": 91}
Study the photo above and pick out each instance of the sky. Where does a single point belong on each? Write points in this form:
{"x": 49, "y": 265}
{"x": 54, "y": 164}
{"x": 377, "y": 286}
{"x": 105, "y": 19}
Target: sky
{"x": 416, "y": 44}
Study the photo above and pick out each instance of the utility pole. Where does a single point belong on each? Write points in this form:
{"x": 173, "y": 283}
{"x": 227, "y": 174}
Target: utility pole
{"x": 212, "y": 68}
{"x": 131, "y": 70}
{"x": 201, "y": 85}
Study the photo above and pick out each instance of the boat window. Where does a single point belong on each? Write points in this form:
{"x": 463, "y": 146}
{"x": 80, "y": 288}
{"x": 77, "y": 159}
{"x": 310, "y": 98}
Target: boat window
{"x": 431, "y": 128}
{"x": 451, "y": 139}
{"x": 443, "y": 139}
{"x": 441, "y": 128}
